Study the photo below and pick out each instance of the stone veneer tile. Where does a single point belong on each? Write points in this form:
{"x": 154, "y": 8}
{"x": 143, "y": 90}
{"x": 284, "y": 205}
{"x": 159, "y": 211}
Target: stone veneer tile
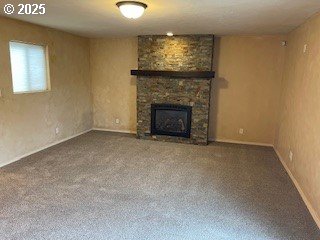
{"x": 179, "y": 53}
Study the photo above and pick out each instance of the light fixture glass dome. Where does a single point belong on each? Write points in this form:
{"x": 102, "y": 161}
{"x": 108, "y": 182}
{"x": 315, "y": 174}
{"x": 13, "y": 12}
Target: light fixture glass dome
{"x": 131, "y": 9}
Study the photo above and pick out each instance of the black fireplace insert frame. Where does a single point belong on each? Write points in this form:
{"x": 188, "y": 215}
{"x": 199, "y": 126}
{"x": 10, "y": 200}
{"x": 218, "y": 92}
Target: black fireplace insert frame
{"x": 173, "y": 107}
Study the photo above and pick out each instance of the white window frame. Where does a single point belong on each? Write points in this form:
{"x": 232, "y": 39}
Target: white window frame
{"x": 46, "y": 48}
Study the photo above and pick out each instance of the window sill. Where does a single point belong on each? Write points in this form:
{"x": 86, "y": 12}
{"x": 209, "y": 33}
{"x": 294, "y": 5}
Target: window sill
{"x": 30, "y": 92}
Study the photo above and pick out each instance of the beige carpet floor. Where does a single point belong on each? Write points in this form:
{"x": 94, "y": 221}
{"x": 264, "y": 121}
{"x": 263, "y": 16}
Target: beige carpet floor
{"x": 112, "y": 186}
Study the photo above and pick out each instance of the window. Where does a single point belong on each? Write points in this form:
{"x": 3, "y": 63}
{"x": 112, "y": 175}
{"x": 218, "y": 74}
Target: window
{"x": 29, "y": 67}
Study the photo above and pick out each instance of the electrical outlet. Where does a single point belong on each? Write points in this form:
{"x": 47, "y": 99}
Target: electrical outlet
{"x": 291, "y": 156}
{"x": 305, "y": 48}
{"x": 57, "y": 130}
{"x": 241, "y": 131}
{"x": 117, "y": 120}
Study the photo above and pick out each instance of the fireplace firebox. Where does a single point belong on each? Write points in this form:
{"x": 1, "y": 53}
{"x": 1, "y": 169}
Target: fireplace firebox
{"x": 171, "y": 120}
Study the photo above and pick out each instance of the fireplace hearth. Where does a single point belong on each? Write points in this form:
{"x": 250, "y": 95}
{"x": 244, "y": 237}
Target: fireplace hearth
{"x": 171, "y": 120}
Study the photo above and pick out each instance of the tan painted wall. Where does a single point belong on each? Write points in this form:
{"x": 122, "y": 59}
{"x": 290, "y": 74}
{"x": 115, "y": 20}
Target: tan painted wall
{"x": 299, "y": 125}
{"x": 245, "y": 93}
{"x": 114, "y": 90}
{"x": 246, "y": 90}
{"x": 28, "y": 121}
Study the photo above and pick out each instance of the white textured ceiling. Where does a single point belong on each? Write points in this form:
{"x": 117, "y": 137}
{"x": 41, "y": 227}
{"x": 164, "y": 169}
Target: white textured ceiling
{"x": 99, "y": 18}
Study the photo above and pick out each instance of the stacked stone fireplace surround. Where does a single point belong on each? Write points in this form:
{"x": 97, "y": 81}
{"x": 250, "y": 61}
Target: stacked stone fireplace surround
{"x": 179, "y": 53}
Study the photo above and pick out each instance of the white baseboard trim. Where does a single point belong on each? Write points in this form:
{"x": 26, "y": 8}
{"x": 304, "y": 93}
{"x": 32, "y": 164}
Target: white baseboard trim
{"x": 113, "y": 130}
{"x": 304, "y": 197}
{"x": 43, "y": 148}
{"x": 240, "y": 142}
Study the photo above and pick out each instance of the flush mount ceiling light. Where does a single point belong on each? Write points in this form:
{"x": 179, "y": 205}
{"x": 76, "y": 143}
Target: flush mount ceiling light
{"x": 169, "y": 34}
{"x": 132, "y": 9}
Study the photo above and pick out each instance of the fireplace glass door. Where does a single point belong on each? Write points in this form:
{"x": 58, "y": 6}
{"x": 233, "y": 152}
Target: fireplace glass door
{"x": 171, "y": 120}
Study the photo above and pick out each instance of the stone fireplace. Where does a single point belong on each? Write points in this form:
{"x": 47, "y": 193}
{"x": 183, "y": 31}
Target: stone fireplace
{"x": 173, "y": 88}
